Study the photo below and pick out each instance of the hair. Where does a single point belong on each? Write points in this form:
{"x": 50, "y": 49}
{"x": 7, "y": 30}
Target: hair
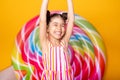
{"x": 50, "y": 16}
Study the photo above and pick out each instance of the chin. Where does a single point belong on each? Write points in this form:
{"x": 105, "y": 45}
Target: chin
{"x": 58, "y": 38}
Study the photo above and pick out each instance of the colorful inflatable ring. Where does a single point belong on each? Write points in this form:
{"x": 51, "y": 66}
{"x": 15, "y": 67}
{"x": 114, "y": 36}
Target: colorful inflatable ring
{"x": 86, "y": 49}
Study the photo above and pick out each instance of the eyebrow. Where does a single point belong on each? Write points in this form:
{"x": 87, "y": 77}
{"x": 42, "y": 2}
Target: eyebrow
{"x": 57, "y": 23}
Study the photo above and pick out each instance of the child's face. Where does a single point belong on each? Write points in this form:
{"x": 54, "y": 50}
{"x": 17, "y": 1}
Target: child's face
{"x": 56, "y": 28}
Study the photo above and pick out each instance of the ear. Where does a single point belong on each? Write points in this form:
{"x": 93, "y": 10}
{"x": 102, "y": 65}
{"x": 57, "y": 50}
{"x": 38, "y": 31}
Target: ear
{"x": 47, "y": 29}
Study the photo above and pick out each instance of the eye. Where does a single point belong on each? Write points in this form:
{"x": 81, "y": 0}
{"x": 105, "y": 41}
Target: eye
{"x": 55, "y": 24}
{"x": 63, "y": 25}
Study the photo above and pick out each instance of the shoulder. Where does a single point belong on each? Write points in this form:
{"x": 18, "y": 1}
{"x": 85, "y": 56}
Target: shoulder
{"x": 64, "y": 42}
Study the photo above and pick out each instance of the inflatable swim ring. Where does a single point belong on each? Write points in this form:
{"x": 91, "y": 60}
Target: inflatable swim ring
{"x": 86, "y": 49}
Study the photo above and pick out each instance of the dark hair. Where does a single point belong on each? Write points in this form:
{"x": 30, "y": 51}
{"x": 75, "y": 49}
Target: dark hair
{"x": 49, "y": 17}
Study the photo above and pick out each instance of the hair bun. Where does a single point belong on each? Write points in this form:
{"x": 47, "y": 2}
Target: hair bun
{"x": 48, "y": 16}
{"x": 64, "y": 15}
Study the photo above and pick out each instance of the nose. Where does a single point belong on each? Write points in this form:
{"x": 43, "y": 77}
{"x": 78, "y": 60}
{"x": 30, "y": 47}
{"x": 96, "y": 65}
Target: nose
{"x": 59, "y": 27}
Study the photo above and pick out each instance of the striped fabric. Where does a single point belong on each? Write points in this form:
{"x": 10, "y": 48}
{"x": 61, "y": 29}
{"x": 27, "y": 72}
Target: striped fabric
{"x": 56, "y": 64}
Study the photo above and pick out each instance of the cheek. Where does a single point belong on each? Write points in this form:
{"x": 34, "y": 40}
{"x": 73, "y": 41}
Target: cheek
{"x": 64, "y": 29}
{"x": 50, "y": 28}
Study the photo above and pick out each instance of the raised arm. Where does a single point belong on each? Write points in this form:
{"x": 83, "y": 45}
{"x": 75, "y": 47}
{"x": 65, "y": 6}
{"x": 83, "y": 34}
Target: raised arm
{"x": 42, "y": 22}
{"x": 70, "y": 21}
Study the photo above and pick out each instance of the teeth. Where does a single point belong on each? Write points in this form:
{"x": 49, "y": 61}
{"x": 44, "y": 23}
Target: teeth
{"x": 58, "y": 33}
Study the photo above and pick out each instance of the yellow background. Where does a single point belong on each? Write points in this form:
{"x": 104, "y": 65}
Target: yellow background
{"x": 103, "y": 14}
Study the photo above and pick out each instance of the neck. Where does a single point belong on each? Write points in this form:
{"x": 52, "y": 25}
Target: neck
{"x": 55, "y": 42}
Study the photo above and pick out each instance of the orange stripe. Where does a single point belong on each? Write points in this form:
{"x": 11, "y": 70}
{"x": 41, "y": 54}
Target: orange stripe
{"x": 50, "y": 75}
{"x": 52, "y": 58}
{"x": 62, "y": 44}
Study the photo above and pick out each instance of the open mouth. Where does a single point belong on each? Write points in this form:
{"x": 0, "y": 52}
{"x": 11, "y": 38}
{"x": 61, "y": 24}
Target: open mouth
{"x": 58, "y": 32}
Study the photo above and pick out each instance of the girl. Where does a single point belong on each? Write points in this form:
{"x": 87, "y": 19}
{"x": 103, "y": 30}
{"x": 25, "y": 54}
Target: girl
{"x": 54, "y": 37}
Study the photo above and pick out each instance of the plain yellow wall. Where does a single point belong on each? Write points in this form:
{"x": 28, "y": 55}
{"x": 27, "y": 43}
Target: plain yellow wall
{"x": 103, "y": 14}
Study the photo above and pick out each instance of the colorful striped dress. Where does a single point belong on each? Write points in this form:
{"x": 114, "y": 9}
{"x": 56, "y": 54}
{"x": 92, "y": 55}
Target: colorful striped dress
{"x": 56, "y": 64}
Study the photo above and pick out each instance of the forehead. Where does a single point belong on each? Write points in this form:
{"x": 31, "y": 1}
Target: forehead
{"x": 57, "y": 19}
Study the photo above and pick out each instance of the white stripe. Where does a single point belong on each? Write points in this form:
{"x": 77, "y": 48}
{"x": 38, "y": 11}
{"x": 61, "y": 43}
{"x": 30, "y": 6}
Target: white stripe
{"x": 58, "y": 60}
{"x": 55, "y": 59}
{"x": 63, "y": 62}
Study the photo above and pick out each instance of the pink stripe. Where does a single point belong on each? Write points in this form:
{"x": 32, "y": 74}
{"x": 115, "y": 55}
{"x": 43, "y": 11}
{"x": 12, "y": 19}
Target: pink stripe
{"x": 56, "y": 57}
{"x": 52, "y": 75}
{"x": 44, "y": 76}
{"x": 66, "y": 65}
{"x": 50, "y": 58}
{"x": 60, "y": 65}
{"x": 46, "y": 60}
